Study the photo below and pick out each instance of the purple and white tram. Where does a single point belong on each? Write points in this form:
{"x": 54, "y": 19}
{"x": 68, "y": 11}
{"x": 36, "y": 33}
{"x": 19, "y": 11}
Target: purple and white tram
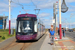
{"x": 28, "y": 27}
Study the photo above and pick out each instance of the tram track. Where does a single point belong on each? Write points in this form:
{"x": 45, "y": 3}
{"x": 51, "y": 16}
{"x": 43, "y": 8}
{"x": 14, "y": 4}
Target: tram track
{"x": 4, "y": 48}
{"x": 25, "y": 45}
{"x": 14, "y": 43}
{"x": 19, "y": 45}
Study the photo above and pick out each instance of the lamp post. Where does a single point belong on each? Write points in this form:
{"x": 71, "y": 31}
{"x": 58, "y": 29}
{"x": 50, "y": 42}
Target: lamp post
{"x": 60, "y": 19}
{"x": 62, "y": 8}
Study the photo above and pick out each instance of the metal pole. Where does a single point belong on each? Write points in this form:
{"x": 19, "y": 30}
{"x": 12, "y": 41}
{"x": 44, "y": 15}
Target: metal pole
{"x": 54, "y": 16}
{"x": 60, "y": 19}
{"x": 9, "y": 17}
{"x": 70, "y": 21}
{"x": 66, "y": 24}
{"x": 3, "y": 21}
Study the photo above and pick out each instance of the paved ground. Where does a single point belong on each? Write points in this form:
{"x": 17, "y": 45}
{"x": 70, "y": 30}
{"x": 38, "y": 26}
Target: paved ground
{"x": 46, "y": 44}
{"x": 42, "y": 44}
{"x": 66, "y": 43}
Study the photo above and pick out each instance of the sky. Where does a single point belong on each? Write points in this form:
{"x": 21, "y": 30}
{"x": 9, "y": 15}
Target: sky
{"x": 45, "y": 14}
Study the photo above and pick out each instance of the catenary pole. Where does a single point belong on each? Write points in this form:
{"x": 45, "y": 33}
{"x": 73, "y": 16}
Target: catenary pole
{"x": 9, "y": 17}
{"x": 60, "y": 19}
{"x": 54, "y": 17}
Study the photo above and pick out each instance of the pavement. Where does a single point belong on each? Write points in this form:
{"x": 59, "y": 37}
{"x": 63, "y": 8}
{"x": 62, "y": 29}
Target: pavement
{"x": 60, "y": 44}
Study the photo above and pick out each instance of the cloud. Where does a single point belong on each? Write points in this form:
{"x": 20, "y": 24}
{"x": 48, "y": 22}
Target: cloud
{"x": 71, "y": 10}
{"x": 22, "y": 1}
{"x": 47, "y": 22}
{"x": 44, "y": 4}
{"x": 44, "y": 15}
{"x": 4, "y": 6}
{"x": 68, "y": 24}
{"x": 70, "y": 1}
{"x": 39, "y": 3}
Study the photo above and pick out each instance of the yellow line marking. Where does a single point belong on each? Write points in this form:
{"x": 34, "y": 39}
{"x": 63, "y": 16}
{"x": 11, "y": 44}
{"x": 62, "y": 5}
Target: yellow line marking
{"x": 56, "y": 42}
{"x": 63, "y": 49}
{"x": 60, "y": 49}
{"x": 64, "y": 46}
{"x": 71, "y": 49}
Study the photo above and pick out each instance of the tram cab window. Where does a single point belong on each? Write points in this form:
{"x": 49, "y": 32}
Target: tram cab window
{"x": 25, "y": 26}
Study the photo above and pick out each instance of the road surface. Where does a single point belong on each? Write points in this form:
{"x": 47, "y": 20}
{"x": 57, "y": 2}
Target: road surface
{"x": 71, "y": 35}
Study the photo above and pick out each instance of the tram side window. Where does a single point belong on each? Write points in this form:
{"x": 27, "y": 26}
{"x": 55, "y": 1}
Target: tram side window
{"x": 19, "y": 27}
{"x": 38, "y": 27}
{"x": 35, "y": 26}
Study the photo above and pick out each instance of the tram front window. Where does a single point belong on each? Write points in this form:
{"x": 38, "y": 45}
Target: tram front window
{"x": 25, "y": 26}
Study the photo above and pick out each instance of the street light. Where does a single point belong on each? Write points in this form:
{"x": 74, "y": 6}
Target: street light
{"x": 60, "y": 19}
{"x": 64, "y": 8}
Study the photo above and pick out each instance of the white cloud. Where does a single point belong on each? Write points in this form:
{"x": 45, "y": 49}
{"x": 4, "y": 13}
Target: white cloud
{"x": 44, "y": 15}
{"x": 69, "y": 1}
{"x": 47, "y": 22}
{"x": 22, "y": 1}
{"x": 3, "y": 7}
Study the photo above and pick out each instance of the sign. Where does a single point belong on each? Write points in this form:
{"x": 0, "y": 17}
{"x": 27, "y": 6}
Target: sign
{"x": 53, "y": 20}
{"x": 64, "y": 8}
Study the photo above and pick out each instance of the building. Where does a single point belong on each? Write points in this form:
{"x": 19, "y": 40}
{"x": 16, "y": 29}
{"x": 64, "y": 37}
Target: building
{"x": 3, "y": 22}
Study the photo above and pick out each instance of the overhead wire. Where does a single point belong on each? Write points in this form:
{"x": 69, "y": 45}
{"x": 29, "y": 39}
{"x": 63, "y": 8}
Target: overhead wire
{"x": 25, "y": 5}
{"x": 18, "y": 1}
{"x": 33, "y": 3}
{"x": 36, "y": 8}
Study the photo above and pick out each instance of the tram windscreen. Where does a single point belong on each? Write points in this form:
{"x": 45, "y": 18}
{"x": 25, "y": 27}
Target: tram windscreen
{"x": 25, "y": 26}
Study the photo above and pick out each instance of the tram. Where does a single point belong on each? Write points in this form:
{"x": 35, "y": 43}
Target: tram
{"x": 28, "y": 27}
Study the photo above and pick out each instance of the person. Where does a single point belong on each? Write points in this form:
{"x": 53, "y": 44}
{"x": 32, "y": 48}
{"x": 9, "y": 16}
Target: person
{"x": 51, "y": 35}
{"x": 58, "y": 32}
{"x": 63, "y": 31}
{"x": 49, "y": 30}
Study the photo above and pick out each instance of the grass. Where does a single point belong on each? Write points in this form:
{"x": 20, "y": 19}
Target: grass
{"x": 4, "y": 34}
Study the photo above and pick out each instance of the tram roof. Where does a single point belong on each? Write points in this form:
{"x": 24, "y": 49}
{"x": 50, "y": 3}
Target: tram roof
{"x": 28, "y": 15}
